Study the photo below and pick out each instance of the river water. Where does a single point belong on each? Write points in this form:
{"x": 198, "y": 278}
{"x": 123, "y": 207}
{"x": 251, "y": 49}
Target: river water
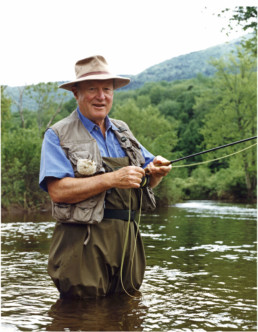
{"x": 201, "y": 275}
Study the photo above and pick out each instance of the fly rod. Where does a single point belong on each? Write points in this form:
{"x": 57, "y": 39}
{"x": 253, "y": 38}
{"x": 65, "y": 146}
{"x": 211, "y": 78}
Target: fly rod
{"x": 206, "y": 151}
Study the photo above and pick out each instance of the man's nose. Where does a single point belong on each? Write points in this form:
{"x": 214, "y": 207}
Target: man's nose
{"x": 100, "y": 94}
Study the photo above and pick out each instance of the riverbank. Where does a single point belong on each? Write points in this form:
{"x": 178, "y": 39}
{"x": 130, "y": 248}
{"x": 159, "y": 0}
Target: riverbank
{"x": 19, "y": 213}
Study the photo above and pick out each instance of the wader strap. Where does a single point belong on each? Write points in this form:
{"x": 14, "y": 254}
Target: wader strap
{"x": 87, "y": 239}
{"x": 119, "y": 214}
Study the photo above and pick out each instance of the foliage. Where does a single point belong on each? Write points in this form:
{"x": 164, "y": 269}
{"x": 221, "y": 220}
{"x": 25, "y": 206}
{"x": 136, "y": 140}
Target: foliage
{"x": 233, "y": 114}
{"x": 20, "y": 168}
{"x": 21, "y": 146}
{"x": 5, "y": 111}
{"x": 246, "y": 17}
{"x": 150, "y": 127}
{"x": 46, "y": 107}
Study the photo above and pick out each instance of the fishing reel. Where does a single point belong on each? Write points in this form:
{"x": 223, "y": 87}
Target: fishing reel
{"x": 145, "y": 181}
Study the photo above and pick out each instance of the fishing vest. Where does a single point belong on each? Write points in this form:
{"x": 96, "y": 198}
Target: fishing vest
{"x": 77, "y": 143}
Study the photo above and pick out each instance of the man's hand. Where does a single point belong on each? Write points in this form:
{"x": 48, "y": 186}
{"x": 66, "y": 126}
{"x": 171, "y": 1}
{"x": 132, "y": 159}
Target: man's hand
{"x": 157, "y": 171}
{"x": 127, "y": 177}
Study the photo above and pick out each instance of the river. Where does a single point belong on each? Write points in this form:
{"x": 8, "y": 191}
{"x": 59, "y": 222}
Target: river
{"x": 201, "y": 275}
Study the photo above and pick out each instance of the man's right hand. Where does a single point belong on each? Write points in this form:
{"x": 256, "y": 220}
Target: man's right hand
{"x": 127, "y": 177}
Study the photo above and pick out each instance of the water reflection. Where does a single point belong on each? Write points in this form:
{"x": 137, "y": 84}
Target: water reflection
{"x": 114, "y": 313}
{"x": 201, "y": 275}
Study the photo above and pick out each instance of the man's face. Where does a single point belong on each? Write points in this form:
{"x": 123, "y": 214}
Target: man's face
{"x": 95, "y": 99}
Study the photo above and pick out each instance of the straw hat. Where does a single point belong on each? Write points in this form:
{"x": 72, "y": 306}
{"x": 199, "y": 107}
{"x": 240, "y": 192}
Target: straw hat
{"x": 94, "y": 68}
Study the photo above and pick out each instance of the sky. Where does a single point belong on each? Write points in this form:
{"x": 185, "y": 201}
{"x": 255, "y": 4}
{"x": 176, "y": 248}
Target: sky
{"x": 42, "y": 39}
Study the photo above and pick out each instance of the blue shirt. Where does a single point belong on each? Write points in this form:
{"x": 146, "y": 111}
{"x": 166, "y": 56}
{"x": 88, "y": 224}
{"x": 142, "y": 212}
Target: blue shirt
{"x": 54, "y": 162}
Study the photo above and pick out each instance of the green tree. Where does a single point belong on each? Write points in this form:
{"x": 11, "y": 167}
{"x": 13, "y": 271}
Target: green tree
{"x": 232, "y": 112}
{"x": 246, "y": 17}
{"x": 5, "y": 111}
{"x": 169, "y": 107}
{"x": 157, "y": 94}
{"x": 49, "y": 103}
{"x": 143, "y": 101}
{"x": 21, "y": 146}
{"x": 20, "y": 169}
{"x": 153, "y": 130}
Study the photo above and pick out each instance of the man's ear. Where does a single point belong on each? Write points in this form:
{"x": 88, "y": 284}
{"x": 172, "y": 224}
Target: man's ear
{"x": 75, "y": 91}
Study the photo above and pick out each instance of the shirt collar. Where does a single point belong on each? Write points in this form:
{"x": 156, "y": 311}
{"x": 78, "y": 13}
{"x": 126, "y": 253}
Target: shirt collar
{"x": 89, "y": 125}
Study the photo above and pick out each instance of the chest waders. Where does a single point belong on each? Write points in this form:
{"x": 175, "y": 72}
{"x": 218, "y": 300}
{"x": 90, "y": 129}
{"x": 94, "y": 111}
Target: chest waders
{"x": 92, "y": 270}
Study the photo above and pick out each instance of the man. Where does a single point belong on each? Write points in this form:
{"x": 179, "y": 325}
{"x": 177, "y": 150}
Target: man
{"x": 93, "y": 169}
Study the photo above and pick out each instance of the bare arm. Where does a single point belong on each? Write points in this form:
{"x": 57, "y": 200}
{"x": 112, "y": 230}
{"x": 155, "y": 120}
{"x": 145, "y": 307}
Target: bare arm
{"x": 74, "y": 190}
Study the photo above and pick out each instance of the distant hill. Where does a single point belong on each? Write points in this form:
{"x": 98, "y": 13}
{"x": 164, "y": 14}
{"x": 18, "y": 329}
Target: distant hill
{"x": 28, "y": 102}
{"x": 178, "y": 68}
{"x": 184, "y": 66}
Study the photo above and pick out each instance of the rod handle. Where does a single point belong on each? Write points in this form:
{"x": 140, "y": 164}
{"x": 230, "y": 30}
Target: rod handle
{"x": 158, "y": 164}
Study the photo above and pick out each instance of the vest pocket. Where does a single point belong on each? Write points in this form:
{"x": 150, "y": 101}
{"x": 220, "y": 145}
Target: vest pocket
{"x": 83, "y": 211}
{"x": 61, "y": 211}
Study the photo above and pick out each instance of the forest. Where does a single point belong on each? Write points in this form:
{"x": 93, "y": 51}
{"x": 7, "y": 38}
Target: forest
{"x": 172, "y": 119}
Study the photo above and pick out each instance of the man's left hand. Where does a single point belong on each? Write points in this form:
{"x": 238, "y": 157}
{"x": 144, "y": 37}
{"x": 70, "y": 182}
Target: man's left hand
{"x": 157, "y": 170}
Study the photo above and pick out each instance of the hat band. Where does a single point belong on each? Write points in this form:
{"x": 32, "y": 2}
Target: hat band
{"x": 94, "y": 73}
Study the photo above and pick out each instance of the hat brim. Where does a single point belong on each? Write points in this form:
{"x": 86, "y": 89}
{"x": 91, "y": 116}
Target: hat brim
{"x": 119, "y": 81}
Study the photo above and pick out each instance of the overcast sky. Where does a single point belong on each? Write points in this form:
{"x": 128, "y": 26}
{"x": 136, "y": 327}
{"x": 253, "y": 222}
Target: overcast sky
{"x": 42, "y": 39}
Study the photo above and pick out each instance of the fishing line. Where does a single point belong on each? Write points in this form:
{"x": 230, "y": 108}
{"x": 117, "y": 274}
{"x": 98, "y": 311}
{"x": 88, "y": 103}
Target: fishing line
{"x": 210, "y": 150}
{"x": 209, "y": 161}
{"x": 125, "y": 246}
{"x": 126, "y": 243}
{"x": 135, "y": 241}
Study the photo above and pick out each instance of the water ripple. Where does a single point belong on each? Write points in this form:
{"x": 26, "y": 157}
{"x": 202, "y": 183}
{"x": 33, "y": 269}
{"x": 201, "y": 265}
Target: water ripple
{"x": 200, "y": 276}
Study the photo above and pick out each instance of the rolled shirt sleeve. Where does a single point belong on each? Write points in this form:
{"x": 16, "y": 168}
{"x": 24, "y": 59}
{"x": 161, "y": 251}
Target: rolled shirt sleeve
{"x": 147, "y": 156}
{"x": 54, "y": 162}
